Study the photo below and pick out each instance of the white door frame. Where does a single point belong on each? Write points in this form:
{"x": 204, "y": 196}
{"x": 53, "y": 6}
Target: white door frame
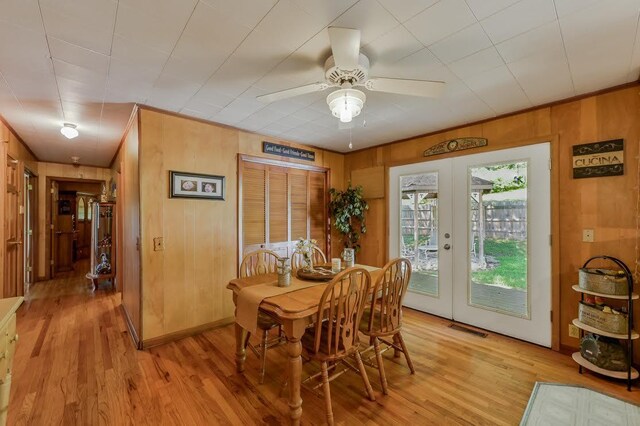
{"x": 449, "y": 303}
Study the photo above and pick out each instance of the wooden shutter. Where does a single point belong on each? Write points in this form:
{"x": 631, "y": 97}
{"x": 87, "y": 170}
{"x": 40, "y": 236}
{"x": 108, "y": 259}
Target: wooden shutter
{"x": 299, "y": 204}
{"x": 253, "y": 206}
{"x": 318, "y": 208}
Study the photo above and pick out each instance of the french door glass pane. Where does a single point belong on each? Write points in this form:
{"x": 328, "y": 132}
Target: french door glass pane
{"x": 498, "y": 238}
{"x": 419, "y": 230}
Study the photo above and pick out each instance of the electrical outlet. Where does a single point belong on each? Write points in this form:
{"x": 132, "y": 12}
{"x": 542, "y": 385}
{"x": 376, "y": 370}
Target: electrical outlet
{"x": 158, "y": 244}
{"x": 587, "y": 235}
{"x": 574, "y": 331}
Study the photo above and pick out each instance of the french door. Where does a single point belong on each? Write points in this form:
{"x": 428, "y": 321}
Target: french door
{"x": 476, "y": 230}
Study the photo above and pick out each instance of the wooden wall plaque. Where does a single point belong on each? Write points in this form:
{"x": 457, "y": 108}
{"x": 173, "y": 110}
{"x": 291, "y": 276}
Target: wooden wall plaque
{"x": 455, "y": 145}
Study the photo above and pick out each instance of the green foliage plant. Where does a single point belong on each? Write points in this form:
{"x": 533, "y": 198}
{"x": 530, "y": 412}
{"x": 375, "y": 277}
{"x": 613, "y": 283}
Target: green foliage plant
{"x": 348, "y": 210}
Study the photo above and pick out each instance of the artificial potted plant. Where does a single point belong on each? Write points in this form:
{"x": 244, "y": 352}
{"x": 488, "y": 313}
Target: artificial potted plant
{"x": 348, "y": 209}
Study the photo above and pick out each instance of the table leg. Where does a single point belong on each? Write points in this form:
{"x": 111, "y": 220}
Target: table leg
{"x": 294, "y": 349}
{"x": 242, "y": 337}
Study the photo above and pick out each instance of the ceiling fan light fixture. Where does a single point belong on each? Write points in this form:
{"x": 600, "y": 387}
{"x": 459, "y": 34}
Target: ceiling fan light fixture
{"x": 346, "y": 103}
{"x": 69, "y": 130}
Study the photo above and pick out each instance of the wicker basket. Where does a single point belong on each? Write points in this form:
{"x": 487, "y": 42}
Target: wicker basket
{"x": 593, "y": 316}
{"x": 604, "y": 281}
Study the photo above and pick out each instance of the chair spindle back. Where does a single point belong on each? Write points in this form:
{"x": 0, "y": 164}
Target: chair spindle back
{"x": 259, "y": 262}
{"x": 388, "y": 294}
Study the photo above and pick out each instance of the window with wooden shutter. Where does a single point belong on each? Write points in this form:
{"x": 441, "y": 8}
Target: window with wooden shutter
{"x": 279, "y": 203}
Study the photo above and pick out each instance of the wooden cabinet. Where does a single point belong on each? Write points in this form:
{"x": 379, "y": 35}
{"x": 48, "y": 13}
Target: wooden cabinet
{"x": 625, "y": 338}
{"x": 103, "y": 259}
{"x": 8, "y": 341}
{"x": 280, "y": 202}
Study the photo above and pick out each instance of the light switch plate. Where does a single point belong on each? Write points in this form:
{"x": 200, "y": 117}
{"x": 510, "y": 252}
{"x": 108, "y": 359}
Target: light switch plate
{"x": 573, "y": 331}
{"x": 587, "y": 235}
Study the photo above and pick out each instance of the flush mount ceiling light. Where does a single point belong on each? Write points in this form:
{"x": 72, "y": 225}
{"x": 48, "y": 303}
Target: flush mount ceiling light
{"x": 69, "y": 130}
{"x": 346, "y": 103}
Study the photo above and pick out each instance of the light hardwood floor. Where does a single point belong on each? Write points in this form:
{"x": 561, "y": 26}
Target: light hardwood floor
{"x": 75, "y": 364}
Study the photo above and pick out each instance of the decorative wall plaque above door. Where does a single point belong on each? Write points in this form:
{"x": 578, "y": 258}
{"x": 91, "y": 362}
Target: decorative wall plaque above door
{"x": 455, "y": 145}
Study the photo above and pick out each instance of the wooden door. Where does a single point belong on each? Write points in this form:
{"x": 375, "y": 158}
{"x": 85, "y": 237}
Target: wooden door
{"x": 280, "y": 203}
{"x": 64, "y": 237}
{"x": 54, "y": 221}
{"x": 13, "y": 231}
{"x": 30, "y": 224}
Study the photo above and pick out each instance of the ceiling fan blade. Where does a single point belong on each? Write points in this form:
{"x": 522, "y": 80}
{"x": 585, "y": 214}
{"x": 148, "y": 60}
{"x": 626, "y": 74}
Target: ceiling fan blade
{"x": 426, "y": 88}
{"x": 345, "y": 45}
{"x": 295, "y": 91}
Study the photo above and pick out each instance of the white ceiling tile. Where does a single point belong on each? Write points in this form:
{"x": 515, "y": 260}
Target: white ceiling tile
{"x": 87, "y": 23}
{"x": 461, "y": 44}
{"x": 203, "y": 108}
{"x": 137, "y": 55}
{"x": 172, "y": 93}
{"x": 154, "y": 24}
{"x": 484, "y": 8}
{"x": 207, "y": 41}
{"x": 288, "y": 25}
{"x": 403, "y": 10}
{"x": 78, "y": 56}
{"x": 129, "y": 83}
{"x": 477, "y": 63}
{"x": 518, "y": 18}
{"x": 30, "y": 54}
{"x": 370, "y": 18}
{"x": 22, "y": 13}
{"x": 238, "y": 110}
{"x": 544, "y": 40}
{"x": 440, "y": 20}
{"x": 245, "y": 12}
{"x": 498, "y": 89}
{"x": 416, "y": 66}
{"x": 327, "y": 10}
{"x": 567, "y": 7}
{"x": 86, "y": 88}
{"x": 600, "y": 55}
{"x": 544, "y": 78}
{"x": 392, "y": 46}
{"x": 464, "y": 104}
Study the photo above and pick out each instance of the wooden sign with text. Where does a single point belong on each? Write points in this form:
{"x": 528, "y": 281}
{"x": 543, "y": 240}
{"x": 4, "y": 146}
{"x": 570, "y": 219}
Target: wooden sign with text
{"x": 598, "y": 159}
{"x": 288, "y": 151}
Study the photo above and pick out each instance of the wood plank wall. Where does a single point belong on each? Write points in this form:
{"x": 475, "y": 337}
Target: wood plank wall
{"x": 607, "y": 205}
{"x": 183, "y": 286}
{"x": 128, "y": 228}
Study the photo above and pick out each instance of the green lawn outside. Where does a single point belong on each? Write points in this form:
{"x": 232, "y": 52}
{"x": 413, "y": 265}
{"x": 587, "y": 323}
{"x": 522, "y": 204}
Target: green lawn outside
{"x": 512, "y": 268}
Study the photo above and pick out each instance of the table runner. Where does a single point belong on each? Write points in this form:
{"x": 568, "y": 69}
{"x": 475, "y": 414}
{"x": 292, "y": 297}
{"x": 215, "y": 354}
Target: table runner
{"x": 250, "y": 298}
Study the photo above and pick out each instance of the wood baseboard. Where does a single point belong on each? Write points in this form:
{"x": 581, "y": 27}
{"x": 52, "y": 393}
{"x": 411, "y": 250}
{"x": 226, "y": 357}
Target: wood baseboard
{"x": 132, "y": 330}
{"x": 568, "y": 350}
{"x": 177, "y": 335}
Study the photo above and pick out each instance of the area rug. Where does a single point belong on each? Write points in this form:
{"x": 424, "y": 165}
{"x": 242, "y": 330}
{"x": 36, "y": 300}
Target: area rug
{"x": 557, "y": 404}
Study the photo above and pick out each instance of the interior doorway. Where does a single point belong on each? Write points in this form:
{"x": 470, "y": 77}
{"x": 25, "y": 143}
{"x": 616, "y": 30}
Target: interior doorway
{"x": 13, "y": 284}
{"x": 30, "y": 200}
{"x": 69, "y": 208}
{"x": 476, "y": 230}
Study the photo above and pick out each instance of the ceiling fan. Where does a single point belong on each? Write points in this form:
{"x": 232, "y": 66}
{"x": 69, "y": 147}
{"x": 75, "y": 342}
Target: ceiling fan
{"x": 348, "y": 68}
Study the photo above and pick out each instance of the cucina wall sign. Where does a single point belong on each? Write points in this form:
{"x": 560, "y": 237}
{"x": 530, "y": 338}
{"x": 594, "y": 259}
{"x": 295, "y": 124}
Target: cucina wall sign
{"x": 598, "y": 159}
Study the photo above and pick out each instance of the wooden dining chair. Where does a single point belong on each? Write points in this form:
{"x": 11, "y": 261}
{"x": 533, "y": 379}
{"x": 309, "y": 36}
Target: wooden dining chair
{"x": 297, "y": 258}
{"x": 261, "y": 262}
{"x": 383, "y": 318}
{"x": 334, "y": 338}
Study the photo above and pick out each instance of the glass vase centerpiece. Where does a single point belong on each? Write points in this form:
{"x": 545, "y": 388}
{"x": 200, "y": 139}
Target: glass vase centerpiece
{"x": 305, "y": 247}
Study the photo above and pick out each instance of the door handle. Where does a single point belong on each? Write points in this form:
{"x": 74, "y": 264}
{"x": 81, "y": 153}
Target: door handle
{"x": 447, "y": 246}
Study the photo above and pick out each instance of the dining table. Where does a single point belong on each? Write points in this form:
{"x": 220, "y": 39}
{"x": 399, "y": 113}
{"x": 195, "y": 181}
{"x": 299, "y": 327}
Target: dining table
{"x": 294, "y": 311}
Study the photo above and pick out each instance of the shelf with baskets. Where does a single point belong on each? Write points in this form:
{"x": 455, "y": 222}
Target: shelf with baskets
{"x": 600, "y": 325}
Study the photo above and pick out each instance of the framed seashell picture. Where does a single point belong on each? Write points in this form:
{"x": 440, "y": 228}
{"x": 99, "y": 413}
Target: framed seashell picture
{"x": 195, "y": 185}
